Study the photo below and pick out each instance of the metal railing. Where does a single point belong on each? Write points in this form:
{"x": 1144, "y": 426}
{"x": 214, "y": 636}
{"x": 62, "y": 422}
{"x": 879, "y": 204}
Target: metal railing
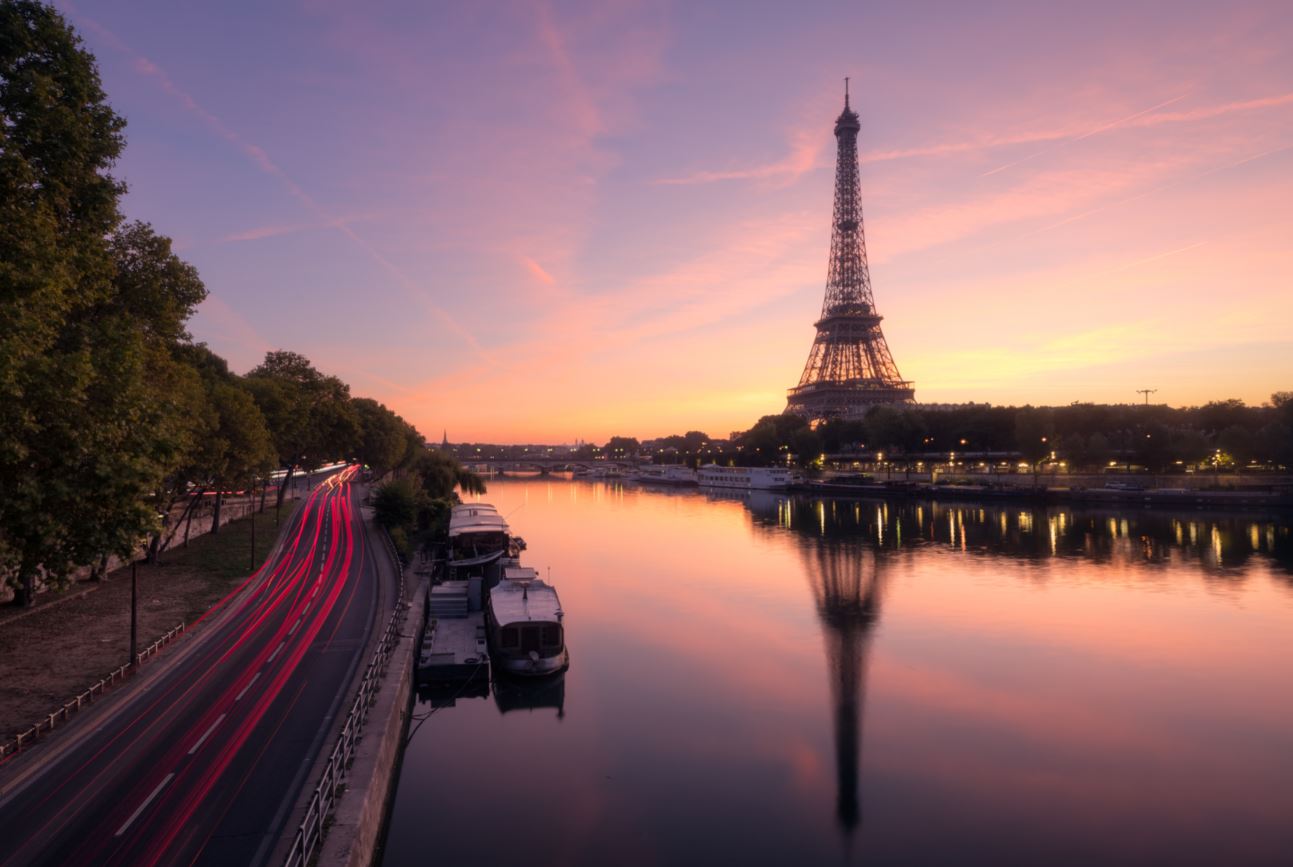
{"x": 332, "y": 781}
{"x": 46, "y": 724}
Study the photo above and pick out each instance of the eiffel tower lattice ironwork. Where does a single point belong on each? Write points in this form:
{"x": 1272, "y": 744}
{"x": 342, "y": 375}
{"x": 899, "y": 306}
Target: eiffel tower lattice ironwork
{"x": 849, "y": 368}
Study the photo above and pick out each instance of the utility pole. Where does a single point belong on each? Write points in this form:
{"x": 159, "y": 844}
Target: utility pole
{"x": 1147, "y": 392}
{"x": 134, "y": 613}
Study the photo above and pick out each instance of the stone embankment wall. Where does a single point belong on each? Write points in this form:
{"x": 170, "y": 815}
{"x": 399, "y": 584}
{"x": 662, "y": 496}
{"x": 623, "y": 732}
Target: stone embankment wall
{"x": 178, "y": 527}
{"x": 361, "y": 812}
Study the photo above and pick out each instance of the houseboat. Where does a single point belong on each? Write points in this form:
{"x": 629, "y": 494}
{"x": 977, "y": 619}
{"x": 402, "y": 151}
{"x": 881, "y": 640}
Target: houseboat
{"x": 746, "y": 478}
{"x": 526, "y": 636}
{"x": 478, "y": 539}
{"x": 672, "y": 474}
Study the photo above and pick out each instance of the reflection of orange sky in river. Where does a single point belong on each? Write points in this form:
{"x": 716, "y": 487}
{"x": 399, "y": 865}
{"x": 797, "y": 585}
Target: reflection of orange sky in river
{"x": 1128, "y": 697}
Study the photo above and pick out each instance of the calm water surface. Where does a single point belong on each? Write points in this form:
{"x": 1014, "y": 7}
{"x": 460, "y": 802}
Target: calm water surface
{"x": 768, "y": 679}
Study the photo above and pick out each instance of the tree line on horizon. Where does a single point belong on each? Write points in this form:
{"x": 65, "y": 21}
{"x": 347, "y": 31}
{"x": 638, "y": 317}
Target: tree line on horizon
{"x": 110, "y": 413}
{"x": 1223, "y": 434}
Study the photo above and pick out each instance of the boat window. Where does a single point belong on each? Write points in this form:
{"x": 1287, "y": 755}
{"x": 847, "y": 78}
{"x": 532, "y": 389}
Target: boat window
{"x": 510, "y": 638}
{"x": 551, "y": 636}
{"x": 530, "y": 638}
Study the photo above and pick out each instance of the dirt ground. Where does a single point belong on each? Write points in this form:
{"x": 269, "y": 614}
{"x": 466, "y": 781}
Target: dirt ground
{"x": 59, "y": 650}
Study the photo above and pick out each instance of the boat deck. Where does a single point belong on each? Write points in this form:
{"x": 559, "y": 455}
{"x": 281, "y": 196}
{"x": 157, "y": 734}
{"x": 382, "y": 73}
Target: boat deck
{"x": 454, "y": 650}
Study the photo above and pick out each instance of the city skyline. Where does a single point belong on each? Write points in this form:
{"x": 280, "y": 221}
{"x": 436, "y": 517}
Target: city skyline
{"x": 618, "y": 222}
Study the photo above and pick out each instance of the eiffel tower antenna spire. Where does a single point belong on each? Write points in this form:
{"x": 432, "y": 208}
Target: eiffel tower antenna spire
{"x": 849, "y": 367}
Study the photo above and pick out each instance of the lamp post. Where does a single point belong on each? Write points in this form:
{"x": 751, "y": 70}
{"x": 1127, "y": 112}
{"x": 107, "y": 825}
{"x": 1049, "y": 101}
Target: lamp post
{"x": 134, "y": 612}
{"x": 251, "y": 502}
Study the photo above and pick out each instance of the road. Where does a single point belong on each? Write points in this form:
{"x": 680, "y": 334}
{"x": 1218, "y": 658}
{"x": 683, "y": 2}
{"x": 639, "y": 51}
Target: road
{"x": 203, "y": 759}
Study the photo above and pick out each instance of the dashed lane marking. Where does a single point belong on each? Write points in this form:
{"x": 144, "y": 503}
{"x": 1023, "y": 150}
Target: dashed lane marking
{"x": 144, "y": 805}
{"x": 255, "y": 677}
{"x": 204, "y": 737}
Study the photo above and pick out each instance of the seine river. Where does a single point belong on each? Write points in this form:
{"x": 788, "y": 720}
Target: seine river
{"x": 784, "y": 680}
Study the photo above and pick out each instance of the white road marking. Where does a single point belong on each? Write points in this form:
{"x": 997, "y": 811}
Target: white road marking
{"x": 144, "y": 805}
{"x": 276, "y": 650}
{"x": 292, "y": 631}
{"x": 255, "y": 677}
{"x": 204, "y": 737}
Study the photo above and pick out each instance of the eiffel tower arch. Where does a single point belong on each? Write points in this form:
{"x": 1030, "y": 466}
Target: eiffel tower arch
{"x": 849, "y": 367}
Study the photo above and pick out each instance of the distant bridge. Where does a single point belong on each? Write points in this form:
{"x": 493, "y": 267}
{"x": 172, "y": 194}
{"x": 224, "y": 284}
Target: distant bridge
{"x": 542, "y": 464}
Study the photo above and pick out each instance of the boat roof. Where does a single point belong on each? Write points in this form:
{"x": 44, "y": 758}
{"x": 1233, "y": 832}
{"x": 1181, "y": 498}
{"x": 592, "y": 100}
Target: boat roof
{"x": 524, "y": 601}
{"x": 476, "y": 518}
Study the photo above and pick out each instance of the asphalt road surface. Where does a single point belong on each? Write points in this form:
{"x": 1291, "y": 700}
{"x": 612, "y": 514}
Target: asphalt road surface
{"x": 203, "y": 758}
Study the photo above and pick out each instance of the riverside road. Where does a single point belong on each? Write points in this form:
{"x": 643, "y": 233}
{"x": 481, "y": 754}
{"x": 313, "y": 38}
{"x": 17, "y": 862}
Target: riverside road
{"x": 205, "y": 756}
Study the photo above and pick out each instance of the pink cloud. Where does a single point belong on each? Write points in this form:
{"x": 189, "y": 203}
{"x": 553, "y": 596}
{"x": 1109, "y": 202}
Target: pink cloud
{"x": 262, "y": 160}
{"x": 805, "y": 150}
{"x": 537, "y": 271}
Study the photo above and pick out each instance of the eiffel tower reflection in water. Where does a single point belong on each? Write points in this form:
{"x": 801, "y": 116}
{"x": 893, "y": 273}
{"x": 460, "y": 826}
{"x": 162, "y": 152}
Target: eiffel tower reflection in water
{"x": 846, "y": 581}
{"x": 843, "y": 555}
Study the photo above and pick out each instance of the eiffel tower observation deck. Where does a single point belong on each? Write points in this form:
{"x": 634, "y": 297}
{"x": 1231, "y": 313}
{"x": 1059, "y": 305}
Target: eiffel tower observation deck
{"x": 849, "y": 368}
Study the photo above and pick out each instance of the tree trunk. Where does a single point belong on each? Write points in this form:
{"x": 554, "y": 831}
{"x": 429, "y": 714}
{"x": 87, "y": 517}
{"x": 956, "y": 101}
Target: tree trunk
{"x": 154, "y": 547}
{"x": 282, "y": 489}
{"x": 215, "y": 515}
{"x": 24, "y": 595}
{"x": 193, "y": 506}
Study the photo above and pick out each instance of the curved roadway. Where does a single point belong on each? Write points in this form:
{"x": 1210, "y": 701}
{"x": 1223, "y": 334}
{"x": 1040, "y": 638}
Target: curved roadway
{"x": 202, "y": 759}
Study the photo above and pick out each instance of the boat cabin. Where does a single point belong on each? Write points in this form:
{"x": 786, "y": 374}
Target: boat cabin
{"x": 525, "y": 623}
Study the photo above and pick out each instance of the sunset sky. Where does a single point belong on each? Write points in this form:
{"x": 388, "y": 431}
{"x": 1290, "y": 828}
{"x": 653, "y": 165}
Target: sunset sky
{"x": 531, "y": 222}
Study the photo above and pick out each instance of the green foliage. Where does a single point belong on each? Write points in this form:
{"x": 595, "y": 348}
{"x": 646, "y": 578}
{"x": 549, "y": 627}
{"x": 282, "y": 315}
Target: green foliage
{"x": 441, "y": 474}
{"x": 85, "y": 387}
{"x": 107, "y": 411}
{"x": 769, "y": 440}
{"x": 385, "y": 439}
{"x": 400, "y": 539}
{"x": 621, "y": 447}
{"x": 395, "y": 504}
{"x": 309, "y": 415}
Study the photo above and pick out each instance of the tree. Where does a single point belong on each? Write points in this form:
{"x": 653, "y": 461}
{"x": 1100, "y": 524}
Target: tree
{"x": 383, "y": 439}
{"x": 805, "y": 445}
{"x": 441, "y": 473}
{"x": 1237, "y": 442}
{"x": 78, "y": 452}
{"x": 1034, "y": 435}
{"x": 769, "y": 440}
{"x": 618, "y": 448}
{"x": 310, "y": 416}
{"x": 395, "y": 504}
{"x": 894, "y": 429}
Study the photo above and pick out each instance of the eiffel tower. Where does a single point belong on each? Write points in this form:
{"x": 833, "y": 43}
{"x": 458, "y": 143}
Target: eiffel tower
{"x": 846, "y": 588}
{"x": 849, "y": 368}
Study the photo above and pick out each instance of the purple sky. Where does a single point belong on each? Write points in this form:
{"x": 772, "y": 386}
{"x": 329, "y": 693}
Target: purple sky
{"x": 542, "y": 221}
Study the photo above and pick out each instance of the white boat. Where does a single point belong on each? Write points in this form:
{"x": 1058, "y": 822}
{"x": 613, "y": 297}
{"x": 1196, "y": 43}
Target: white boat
{"x": 672, "y": 474}
{"x": 525, "y": 632}
{"x": 746, "y": 478}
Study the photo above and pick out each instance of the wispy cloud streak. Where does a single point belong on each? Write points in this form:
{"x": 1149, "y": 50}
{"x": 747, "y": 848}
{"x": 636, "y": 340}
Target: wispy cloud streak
{"x": 261, "y": 159}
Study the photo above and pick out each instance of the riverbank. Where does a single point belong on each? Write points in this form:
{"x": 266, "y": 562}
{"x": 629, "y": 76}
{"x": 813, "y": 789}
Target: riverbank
{"x": 57, "y": 650}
